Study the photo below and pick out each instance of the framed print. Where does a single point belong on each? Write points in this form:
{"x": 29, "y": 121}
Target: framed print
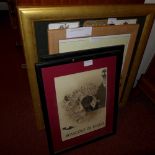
{"x": 79, "y": 95}
{"x": 102, "y": 36}
{"x": 34, "y": 20}
{"x": 56, "y": 35}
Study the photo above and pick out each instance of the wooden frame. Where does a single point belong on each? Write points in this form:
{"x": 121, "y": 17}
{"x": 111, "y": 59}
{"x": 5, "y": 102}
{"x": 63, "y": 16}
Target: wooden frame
{"x": 86, "y": 109}
{"x": 28, "y": 15}
{"x": 108, "y": 32}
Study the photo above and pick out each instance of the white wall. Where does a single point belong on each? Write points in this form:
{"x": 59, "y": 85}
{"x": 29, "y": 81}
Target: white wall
{"x": 149, "y": 1}
{"x": 149, "y": 51}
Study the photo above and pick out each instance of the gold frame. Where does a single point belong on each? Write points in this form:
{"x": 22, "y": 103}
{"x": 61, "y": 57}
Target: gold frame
{"x": 28, "y": 15}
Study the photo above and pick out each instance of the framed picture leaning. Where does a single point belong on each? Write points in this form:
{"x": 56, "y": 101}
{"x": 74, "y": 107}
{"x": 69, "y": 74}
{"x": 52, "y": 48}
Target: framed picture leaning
{"x": 79, "y": 95}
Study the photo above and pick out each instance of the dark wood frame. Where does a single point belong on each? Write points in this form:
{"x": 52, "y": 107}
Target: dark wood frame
{"x": 110, "y": 57}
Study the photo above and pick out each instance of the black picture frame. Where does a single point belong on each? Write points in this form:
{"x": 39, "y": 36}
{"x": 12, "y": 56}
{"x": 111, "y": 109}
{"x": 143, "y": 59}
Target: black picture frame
{"x": 62, "y": 92}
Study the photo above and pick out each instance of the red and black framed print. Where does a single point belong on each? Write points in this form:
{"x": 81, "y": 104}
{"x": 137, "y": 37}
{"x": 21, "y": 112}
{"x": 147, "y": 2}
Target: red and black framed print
{"x": 79, "y": 96}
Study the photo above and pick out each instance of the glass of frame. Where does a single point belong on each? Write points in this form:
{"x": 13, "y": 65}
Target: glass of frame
{"x": 109, "y": 35}
{"x": 79, "y": 95}
{"x": 30, "y": 15}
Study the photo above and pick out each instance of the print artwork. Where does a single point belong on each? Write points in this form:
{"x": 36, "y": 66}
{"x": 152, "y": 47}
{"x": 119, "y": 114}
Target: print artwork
{"x": 81, "y": 101}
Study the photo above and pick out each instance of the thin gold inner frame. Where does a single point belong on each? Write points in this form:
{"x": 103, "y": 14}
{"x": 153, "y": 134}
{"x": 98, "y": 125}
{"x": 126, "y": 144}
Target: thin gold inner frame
{"x": 29, "y": 15}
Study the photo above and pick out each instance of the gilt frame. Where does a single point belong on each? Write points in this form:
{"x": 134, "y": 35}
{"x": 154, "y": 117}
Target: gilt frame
{"x": 28, "y": 15}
